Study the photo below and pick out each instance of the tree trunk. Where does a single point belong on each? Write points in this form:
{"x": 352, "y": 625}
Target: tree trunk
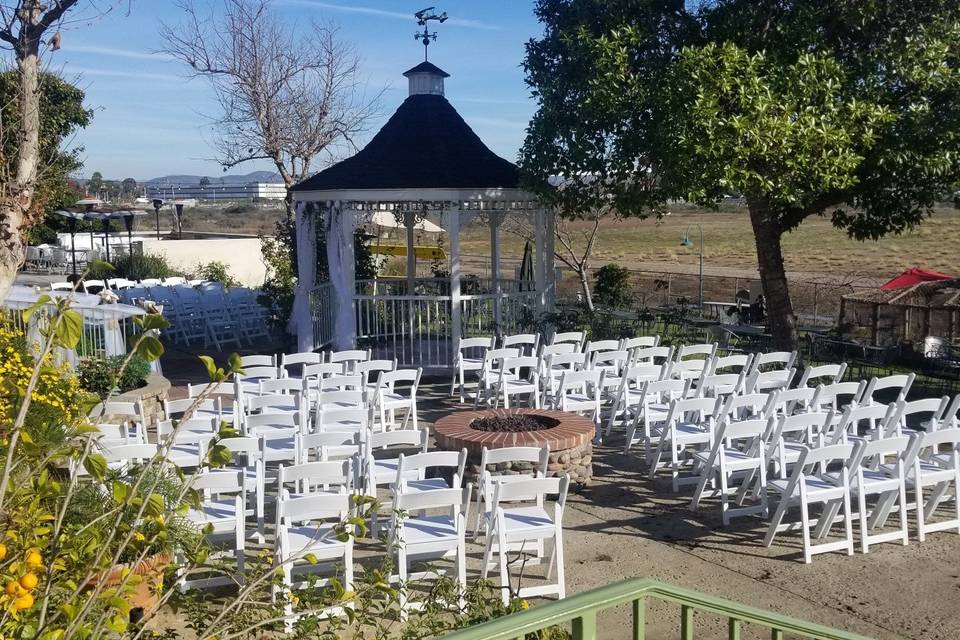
{"x": 767, "y": 234}
{"x": 585, "y": 287}
{"x": 15, "y": 202}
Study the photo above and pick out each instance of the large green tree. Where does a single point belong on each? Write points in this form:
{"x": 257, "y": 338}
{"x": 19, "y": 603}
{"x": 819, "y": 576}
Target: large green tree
{"x": 841, "y": 108}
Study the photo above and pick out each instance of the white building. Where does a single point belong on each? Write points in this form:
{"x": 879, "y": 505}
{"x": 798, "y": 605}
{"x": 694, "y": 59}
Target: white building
{"x": 214, "y": 191}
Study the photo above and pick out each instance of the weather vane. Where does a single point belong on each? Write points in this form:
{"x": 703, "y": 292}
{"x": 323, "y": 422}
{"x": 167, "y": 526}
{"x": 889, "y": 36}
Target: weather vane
{"x": 424, "y": 16}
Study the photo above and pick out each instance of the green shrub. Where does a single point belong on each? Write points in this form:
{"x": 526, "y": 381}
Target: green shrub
{"x": 136, "y": 267}
{"x": 611, "y": 287}
{"x": 216, "y": 272}
{"x": 97, "y": 374}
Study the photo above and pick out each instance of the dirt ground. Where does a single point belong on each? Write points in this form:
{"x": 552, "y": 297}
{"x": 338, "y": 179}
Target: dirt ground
{"x": 623, "y": 526}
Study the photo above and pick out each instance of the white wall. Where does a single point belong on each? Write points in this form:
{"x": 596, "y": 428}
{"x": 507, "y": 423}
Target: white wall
{"x": 241, "y": 255}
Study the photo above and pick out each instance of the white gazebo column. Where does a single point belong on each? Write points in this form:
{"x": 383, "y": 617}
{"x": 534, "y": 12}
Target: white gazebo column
{"x": 301, "y": 318}
{"x": 540, "y": 258}
{"x": 340, "y": 227}
{"x": 495, "y": 219}
{"x": 452, "y": 224}
{"x": 409, "y": 220}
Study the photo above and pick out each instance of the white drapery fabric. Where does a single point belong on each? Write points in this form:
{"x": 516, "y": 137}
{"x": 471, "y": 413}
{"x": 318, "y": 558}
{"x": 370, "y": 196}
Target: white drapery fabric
{"x": 339, "y": 226}
{"x": 301, "y": 321}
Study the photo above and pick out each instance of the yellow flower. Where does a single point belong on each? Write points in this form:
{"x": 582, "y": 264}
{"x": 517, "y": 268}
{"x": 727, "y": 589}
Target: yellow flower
{"x": 524, "y": 604}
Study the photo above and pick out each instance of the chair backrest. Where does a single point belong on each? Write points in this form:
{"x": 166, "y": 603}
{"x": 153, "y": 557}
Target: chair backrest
{"x": 349, "y": 357}
{"x": 559, "y": 348}
{"x": 283, "y": 386}
{"x": 311, "y": 507}
{"x": 833, "y": 373}
{"x": 218, "y": 482}
{"x": 328, "y": 445}
{"x": 874, "y": 452}
{"x": 176, "y": 408}
{"x": 537, "y": 457}
{"x": 637, "y": 374}
{"x": 526, "y": 342}
{"x": 742, "y": 362}
{"x": 949, "y": 419}
{"x": 852, "y": 417}
{"x": 389, "y": 379}
{"x": 896, "y": 386}
{"x": 219, "y": 389}
{"x": 749, "y": 405}
{"x": 322, "y": 370}
{"x": 601, "y": 345}
{"x": 943, "y": 442}
{"x": 778, "y": 379}
{"x": 271, "y": 403}
{"x": 840, "y": 394}
{"x": 258, "y": 361}
{"x": 571, "y": 361}
{"x": 689, "y": 369}
{"x": 580, "y": 381}
{"x": 245, "y": 451}
{"x": 321, "y": 476}
{"x": 202, "y": 426}
{"x": 616, "y": 359}
{"x": 300, "y": 358}
{"x": 790, "y": 401}
{"x": 454, "y": 499}
{"x": 118, "y": 408}
{"x": 512, "y": 366}
{"x": 639, "y": 342}
{"x": 702, "y": 410}
{"x": 754, "y": 430}
{"x": 369, "y": 367}
{"x": 343, "y": 382}
{"x": 486, "y": 342}
{"x": 116, "y": 454}
{"x": 935, "y": 407}
{"x": 704, "y": 351}
{"x": 343, "y": 419}
{"x": 399, "y": 438}
{"x": 811, "y": 425}
{"x": 284, "y": 421}
{"x": 571, "y": 337}
{"x": 720, "y": 384}
{"x": 664, "y": 390}
{"x": 652, "y": 355}
{"x": 60, "y": 286}
{"x": 774, "y": 360}
{"x": 418, "y": 464}
{"x": 840, "y": 455}
{"x": 252, "y": 373}
{"x": 492, "y": 357}
{"x": 533, "y": 490}
{"x": 340, "y": 398}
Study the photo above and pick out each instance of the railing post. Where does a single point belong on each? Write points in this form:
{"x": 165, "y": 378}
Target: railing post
{"x": 585, "y": 627}
{"x": 686, "y": 622}
{"x": 776, "y": 634}
{"x": 639, "y": 618}
{"x": 733, "y": 629}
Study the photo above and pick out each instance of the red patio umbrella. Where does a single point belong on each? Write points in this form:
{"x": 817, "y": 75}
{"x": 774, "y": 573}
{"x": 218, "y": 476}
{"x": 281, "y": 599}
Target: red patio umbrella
{"x": 914, "y": 276}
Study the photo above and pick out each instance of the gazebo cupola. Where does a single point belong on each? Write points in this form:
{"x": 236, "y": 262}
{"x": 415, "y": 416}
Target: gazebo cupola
{"x": 425, "y": 161}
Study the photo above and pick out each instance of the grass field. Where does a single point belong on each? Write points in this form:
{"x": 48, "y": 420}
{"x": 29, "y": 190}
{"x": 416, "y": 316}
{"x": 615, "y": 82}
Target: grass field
{"x": 816, "y": 248}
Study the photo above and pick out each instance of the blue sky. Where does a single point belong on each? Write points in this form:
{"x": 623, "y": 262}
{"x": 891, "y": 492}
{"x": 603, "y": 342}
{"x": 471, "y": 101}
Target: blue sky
{"x": 150, "y": 120}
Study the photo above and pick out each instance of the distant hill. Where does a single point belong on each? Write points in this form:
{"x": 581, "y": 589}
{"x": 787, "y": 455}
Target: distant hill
{"x": 186, "y": 179}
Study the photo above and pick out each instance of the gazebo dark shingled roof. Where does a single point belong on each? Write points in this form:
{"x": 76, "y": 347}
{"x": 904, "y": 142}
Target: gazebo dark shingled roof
{"x": 424, "y": 145}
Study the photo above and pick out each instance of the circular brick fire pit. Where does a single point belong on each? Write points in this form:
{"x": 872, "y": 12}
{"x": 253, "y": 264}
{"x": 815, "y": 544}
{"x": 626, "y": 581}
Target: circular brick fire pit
{"x": 568, "y": 435}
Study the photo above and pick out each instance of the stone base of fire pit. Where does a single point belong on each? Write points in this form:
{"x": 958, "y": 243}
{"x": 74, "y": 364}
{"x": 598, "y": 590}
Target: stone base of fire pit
{"x": 570, "y": 441}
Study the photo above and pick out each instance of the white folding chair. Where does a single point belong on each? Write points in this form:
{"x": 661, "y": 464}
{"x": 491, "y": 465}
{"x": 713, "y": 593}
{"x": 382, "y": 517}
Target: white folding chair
{"x": 489, "y": 375}
{"x": 292, "y": 364}
{"x": 704, "y": 351}
{"x": 593, "y": 346}
{"x": 246, "y": 454}
{"x": 185, "y": 440}
{"x": 936, "y": 467}
{"x": 639, "y": 342}
{"x": 738, "y": 450}
{"x": 799, "y": 400}
{"x": 348, "y": 419}
{"x": 652, "y": 355}
{"x": 692, "y": 369}
{"x": 809, "y": 485}
{"x": 919, "y": 414}
{"x": 370, "y": 370}
{"x": 469, "y": 358}
{"x": 579, "y": 392}
{"x": 748, "y": 406}
{"x": 320, "y": 477}
{"x": 285, "y": 386}
{"x": 308, "y": 542}
{"x": 791, "y": 434}
{"x": 417, "y": 536}
{"x": 131, "y": 423}
{"x": 210, "y": 408}
{"x": 512, "y": 382}
{"x": 124, "y": 456}
{"x": 690, "y": 423}
{"x": 381, "y": 462}
{"x": 522, "y": 524}
{"x": 651, "y": 411}
{"x": 390, "y": 397}
{"x": 720, "y": 385}
{"x": 766, "y": 381}
{"x": 851, "y": 424}
{"x": 553, "y": 366}
{"x": 520, "y": 462}
{"x": 279, "y": 432}
{"x": 739, "y": 362}
{"x": 894, "y": 388}
{"x": 875, "y": 474}
{"x": 628, "y": 390}
{"x": 220, "y": 514}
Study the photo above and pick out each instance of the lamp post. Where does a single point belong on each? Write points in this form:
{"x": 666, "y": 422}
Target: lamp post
{"x": 157, "y": 203}
{"x": 687, "y": 242}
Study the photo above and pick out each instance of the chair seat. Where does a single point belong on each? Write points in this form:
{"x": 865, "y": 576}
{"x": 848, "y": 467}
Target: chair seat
{"x": 689, "y": 432}
{"x": 874, "y": 482}
{"x": 184, "y": 455}
{"x": 427, "y": 529}
{"x": 733, "y": 458}
{"x": 220, "y": 514}
{"x": 279, "y": 449}
{"x": 320, "y": 541}
{"x": 418, "y": 486}
{"x": 816, "y": 488}
{"x": 527, "y": 523}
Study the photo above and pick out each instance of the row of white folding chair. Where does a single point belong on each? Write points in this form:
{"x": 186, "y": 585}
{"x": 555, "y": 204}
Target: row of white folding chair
{"x": 120, "y": 422}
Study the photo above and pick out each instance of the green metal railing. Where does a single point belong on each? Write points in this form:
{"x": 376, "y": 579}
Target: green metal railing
{"x": 581, "y": 610}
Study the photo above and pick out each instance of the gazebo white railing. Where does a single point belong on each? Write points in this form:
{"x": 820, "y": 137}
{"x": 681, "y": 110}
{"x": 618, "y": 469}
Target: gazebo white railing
{"x": 417, "y": 328}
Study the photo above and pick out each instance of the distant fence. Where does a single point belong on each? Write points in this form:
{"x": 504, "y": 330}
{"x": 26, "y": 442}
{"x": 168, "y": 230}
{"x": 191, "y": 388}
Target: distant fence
{"x": 815, "y": 303}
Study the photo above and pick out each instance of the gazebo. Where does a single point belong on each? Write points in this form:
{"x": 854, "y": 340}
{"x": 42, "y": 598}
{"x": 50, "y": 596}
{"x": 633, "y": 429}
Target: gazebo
{"x": 425, "y": 161}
